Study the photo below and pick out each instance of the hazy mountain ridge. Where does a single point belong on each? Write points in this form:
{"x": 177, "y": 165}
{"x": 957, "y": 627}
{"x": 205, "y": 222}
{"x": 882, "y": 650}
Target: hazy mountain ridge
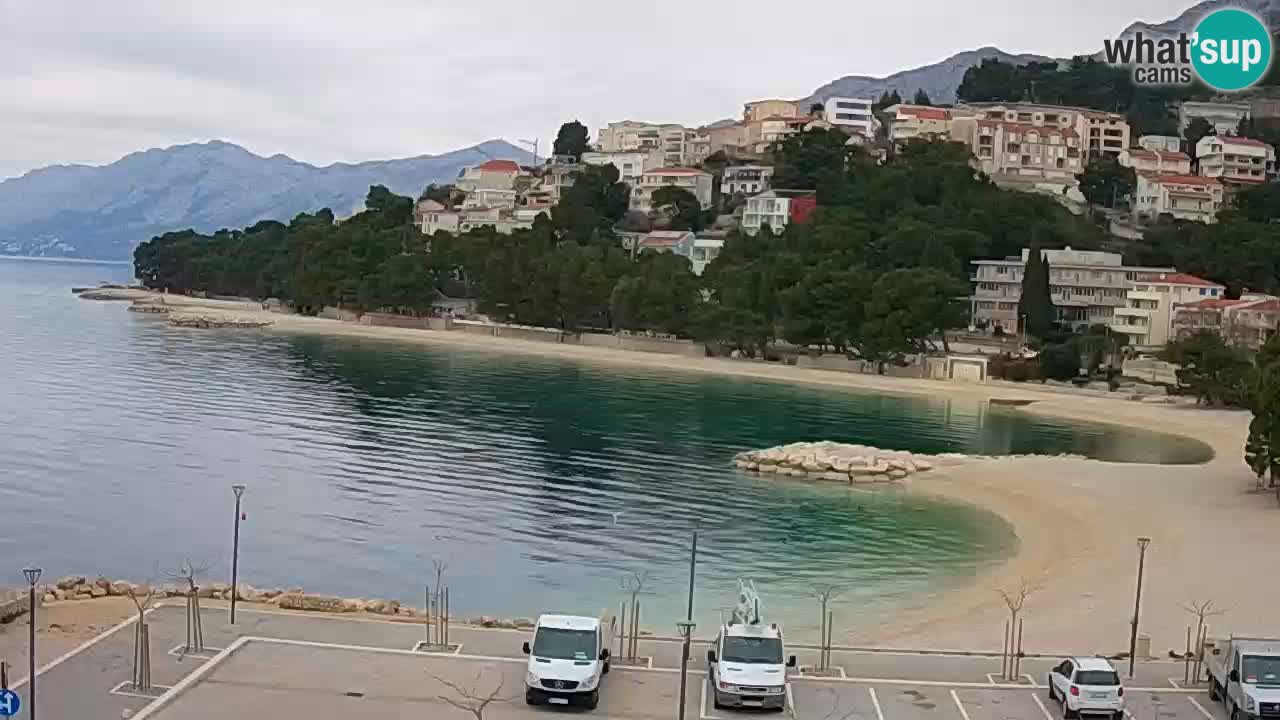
{"x": 102, "y": 212}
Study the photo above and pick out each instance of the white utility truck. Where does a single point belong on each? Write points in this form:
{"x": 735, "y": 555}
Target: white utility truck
{"x": 746, "y": 658}
{"x": 1245, "y": 674}
{"x": 568, "y": 658}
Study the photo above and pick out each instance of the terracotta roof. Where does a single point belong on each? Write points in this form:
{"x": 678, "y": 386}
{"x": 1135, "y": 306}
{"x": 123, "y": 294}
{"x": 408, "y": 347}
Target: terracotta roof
{"x": 675, "y": 171}
{"x": 1184, "y": 180}
{"x": 1177, "y": 279}
{"x": 1045, "y": 130}
{"x": 500, "y": 166}
{"x": 1237, "y": 140}
{"x": 668, "y": 234}
{"x": 1161, "y": 154}
{"x": 924, "y": 112}
{"x": 1212, "y": 304}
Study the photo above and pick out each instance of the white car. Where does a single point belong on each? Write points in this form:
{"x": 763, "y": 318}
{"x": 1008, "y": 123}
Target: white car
{"x": 1087, "y": 686}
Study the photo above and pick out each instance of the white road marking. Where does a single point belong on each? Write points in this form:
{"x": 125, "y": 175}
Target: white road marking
{"x": 1040, "y": 704}
{"x": 120, "y": 690}
{"x": 1200, "y": 707}
{"x": 79, "y": 649}
{"x": 1175, "y": 684}
{"x": 1031, "y": 680}
{"x": 959, "y": 705}
{"x": 875, "y": 702}
{"x": 190, "y": 680}
{"x": 965, "y": 684}
{"x": 791, "y": 700}
{"x": 702, "y": 706}
{"x": 1128, "y": 714}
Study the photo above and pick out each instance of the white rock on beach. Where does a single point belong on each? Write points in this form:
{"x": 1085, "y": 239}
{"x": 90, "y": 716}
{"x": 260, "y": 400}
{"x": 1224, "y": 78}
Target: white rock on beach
{"x": 832, "y": 461}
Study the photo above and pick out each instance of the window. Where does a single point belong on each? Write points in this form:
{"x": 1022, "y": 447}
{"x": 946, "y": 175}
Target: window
{"x": 1204, "y": 291}
{"x": 1105, "y": 678}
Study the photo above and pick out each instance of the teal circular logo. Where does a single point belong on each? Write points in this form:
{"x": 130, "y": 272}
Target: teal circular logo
{"x": 1231, "y": 49}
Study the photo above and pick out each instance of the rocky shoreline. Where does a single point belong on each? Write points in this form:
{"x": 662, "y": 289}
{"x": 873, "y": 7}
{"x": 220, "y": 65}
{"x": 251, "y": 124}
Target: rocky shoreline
{"x": 78, "y": 588}
{"x": 840, "y": 462}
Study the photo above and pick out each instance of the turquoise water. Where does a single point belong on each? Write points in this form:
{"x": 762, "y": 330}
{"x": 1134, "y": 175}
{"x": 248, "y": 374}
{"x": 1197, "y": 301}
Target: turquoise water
{"x": 367, "y": 460}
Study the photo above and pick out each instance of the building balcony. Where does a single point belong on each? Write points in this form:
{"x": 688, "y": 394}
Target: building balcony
{"x": 1133, "y": 312}
{"x": 1125, "y": 328}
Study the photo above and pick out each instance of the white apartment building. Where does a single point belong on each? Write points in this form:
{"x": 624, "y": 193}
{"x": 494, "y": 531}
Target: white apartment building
{"x": 704, "y": 251}
{"x": 1099, "y": 132}
{"x": 1236, "y": 160}
{"x": 745, "y": 179}
{"x": 1247, "y": 322}
{"x": 490, "y": 175}
{"x": 1171, "y": 143}
{"x": 1184, "y": 197}
{"x": 488, "y": 198}
{"x": 761, "y": 109}
{"x": 772, "y": 208}
{"x": 631, "y": 164}
{"x": 1086, "y": 286}
{"x": 691, "y": 179}
{"x": 1147, "y": 316}
{"x": 679, "y": 145}
{"x": 1158, "y": 162}
{"x": 850, "y": 114}
{"x": 1023, "y": 150}
{"x": 1224, "y": 117}
{"x": 431, "y": 216}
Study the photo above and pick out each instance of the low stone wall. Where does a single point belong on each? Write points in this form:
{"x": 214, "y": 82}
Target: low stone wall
{"x": 390, "y": 320}
{"x": 640, "y": 343}
{"x": 838, "y": 462}
{"x": 330, "y": 312}
{"x": 14, "y": 603}
{"x": 516, "y": 332}
{"x": 1151, "y": 370}
{"x": 837, "y": 363}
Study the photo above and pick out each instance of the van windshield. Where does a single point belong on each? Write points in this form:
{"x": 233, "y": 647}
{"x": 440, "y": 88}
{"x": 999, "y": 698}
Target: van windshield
{"x": 1096, "y": 678}
{"x": 562, "y": 644}
{"x": 752, "y": 650}
{"x": 1261, "y": 670}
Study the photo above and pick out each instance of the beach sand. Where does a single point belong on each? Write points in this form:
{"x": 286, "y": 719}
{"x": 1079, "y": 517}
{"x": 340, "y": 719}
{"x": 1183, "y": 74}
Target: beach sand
{"x": 1077, "y": 520}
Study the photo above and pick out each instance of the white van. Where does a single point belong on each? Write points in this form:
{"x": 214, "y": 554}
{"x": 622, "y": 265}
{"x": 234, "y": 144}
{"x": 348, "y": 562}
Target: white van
{"x": 568, "y": 658}
{"x": 747, "y": 668}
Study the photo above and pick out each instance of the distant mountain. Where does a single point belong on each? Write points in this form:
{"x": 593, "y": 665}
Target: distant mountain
{"x": 102, "y": 212}
{"x": 940, "y": 79}
{"x": 1268, "y": 10}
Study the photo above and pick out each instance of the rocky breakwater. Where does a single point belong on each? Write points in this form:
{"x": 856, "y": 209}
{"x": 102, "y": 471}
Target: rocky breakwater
{"x": 216, "y": 320}
{"x": 840, "y": 462}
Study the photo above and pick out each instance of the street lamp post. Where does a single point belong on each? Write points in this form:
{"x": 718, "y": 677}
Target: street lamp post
{"x": 33, "y": 576}
{"x": 687, "y": 625}
{"x": 235, "y": 552}
{"x": 1137, "y": 603}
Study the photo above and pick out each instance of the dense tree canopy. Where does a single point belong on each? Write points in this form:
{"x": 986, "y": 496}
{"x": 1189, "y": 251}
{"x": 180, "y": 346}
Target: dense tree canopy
{"x": 572, "y": 139}
{"x": 1106, "y": 182}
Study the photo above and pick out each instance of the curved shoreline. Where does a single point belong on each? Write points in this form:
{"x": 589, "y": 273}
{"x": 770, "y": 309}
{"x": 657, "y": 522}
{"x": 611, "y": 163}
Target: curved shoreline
{"x": 1076, "y": 519}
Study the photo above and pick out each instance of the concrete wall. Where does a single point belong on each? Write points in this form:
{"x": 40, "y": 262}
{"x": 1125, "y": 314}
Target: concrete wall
{"x": 644, "y": 344}
{"x": 390, "y": 320}
{"x": 14, "y": 603}
{"x": 1151, "y": 370}
{"x": 332, "y": 313}
{"x": 838, "y": 363}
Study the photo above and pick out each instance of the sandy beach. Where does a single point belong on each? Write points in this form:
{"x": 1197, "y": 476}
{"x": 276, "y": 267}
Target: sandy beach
{"x": 1077, "y": 520}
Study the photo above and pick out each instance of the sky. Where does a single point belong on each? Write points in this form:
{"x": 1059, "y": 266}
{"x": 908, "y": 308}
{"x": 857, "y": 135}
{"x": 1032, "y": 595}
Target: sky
{"x": 87, "y": 81}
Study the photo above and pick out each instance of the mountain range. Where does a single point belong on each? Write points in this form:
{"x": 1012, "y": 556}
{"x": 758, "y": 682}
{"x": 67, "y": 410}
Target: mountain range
{"x": 102, "y": 212}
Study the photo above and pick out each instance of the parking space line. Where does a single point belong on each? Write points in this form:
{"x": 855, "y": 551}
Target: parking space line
{"x": 79, "y": 649}
{"x": 791, "y": 700}
{"x": 702, "y": 706}
{"x": 179, "y": 651}
{"x": 1175, "y": 684}
{"x": 120, "y": 690}
{"x": 1031, "y": 680}
{"x": 1200, "y": 707}
{"x": 1040, "y": 704}
{"x": 959, "y": 705}
{"x": 875, "y": 702}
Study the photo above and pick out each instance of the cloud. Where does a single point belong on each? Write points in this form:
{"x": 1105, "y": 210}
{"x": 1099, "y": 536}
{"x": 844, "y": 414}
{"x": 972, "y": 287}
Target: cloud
{"x": 84, "y": 81}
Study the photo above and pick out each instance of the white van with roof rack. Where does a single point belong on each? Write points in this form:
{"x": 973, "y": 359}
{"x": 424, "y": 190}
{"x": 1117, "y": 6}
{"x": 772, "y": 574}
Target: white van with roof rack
{"x": 747, "y": 669}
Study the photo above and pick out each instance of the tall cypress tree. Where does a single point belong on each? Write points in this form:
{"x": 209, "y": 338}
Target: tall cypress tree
{"x": 1035, "y": 307}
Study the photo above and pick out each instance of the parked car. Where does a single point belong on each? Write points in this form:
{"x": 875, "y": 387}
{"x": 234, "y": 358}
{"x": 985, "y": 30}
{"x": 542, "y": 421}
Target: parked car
{"x": 1244, "y": 674}
{"x": 1087, "y": 686}
{"x": 568, "y": 658}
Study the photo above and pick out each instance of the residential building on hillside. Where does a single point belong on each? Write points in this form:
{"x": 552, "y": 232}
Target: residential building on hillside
{"x": 1236, "y": 160}
{"x": 691, "y": 179}
{"x": 731, "y": 139}
{"x": 490, "y": 175}
{"x": 488, "y": 198}
{"x": 910, "y": 122}
{"x": 1157, "y": 162}
{"x": 1147, "y": 316}
{"x": 1024, "y": 150}
{"x": 1184, "y": 197}
{"x": 761, "y": 109}
{"x": 1169, "y": 143}
{"x": 851, "y": 114}
{"x": 679, "y": 145}
{"x": 679, "y": 242}
{"x": 705, "y": 249}
{"x": 1224, "y": 117}
{"x": 1086, "y": 286}
{"x": 767, "y": 131}
{"x": 556, "y": 177}
{"x": 431, "y": 216}
{"x": 1107, "y": 134}
{"x": 631, "y": 164}
{"x": 777, "y": 209}
{"x": 1100, "y": 133}
{"x": 746, "y": 179}
{"x": 1247, "y": 322}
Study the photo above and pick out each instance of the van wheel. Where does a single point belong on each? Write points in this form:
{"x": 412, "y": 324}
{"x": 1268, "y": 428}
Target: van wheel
{"x": 1067, "y": 712}
{"x": 593, "y": 700}
{"x": 605, "y": 670}
{"x": 1052, "y": 696}
{"x": 1213, "y": 690}
{"x": 1235, "y": 713}
{"x": 530, "y": 698}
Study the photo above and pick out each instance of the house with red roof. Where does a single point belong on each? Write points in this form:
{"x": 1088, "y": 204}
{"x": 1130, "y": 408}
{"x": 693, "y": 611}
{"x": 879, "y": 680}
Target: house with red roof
{"x": 1236, "y": 160}
{"x": 1156, "y": 161}
{"x": 490, "y": 175}
{"x": 1245, "y": 322}
{"x": 911, "y": 122}
{"x": 1147, "y": 317}
{"x": 1183, "y": 197}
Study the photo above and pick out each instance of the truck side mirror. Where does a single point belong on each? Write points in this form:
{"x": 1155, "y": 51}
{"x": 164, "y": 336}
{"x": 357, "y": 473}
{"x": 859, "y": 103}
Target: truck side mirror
{"x": 1234, "y": 676}
{"x": 525, "y": 647}
{"x": 604, "y": 654}
{"x": 791, "y": 661}
{"x": 711, "y": 657}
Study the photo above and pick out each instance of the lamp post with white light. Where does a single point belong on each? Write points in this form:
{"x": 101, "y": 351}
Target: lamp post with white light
{"x": 235, "y": 552}
{"x": 33, "y": 576}
{"x": 687, "y": 625}
{"x": 1137, "y": 603}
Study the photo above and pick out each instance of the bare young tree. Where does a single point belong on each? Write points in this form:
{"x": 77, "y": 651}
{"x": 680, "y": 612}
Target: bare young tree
{"x": 1202, "y": 611}
{"x": 473, "y": 699}
{"x": 1014, "y": 599}
{"x": 825, "y": 594}
{"x": 636, "y": 584}
{"x": 187, "y": 573}
{"x": 142, "y": 597}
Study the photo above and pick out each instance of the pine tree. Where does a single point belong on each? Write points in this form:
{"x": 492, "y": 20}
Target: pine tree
{"x": 1035, "y": 307}
{"x": 921, "y": 98}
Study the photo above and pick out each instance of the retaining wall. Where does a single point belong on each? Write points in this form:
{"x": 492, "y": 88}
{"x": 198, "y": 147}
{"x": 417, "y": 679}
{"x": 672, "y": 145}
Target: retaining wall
{"x": 644, "y": 344}
{"x": 14, "y": 603}
{"x": 332, "y": 313}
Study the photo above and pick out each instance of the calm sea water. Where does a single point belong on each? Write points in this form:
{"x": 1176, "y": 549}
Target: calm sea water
{"x": 367, "y": 460}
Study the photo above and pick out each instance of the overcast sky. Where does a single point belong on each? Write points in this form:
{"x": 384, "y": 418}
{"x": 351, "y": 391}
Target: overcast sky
{"x": 87, "y": 81}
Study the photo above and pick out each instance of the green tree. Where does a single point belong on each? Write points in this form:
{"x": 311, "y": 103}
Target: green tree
{"x": 1060, "y": 361}
{"x": 804, "y": 160}
{"x": 921, "y": 98}
{"x": 573, "y": 139}
{"x": 1106, "y": 182}
{"x": 1195, "y": 130}
{"x": 686, "y": 210}
{"x": 660, "y": 293}
{"x": 908, "y": 311}
{"x": 1262, "y": 446}
{"x": 1214, "y": 372}
{"x": 887, "y": 99}
{"x": 1035, "y": 306}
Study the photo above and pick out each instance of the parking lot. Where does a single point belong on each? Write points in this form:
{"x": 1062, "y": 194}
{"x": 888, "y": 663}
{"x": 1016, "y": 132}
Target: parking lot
{"x": 315, "y": 666}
